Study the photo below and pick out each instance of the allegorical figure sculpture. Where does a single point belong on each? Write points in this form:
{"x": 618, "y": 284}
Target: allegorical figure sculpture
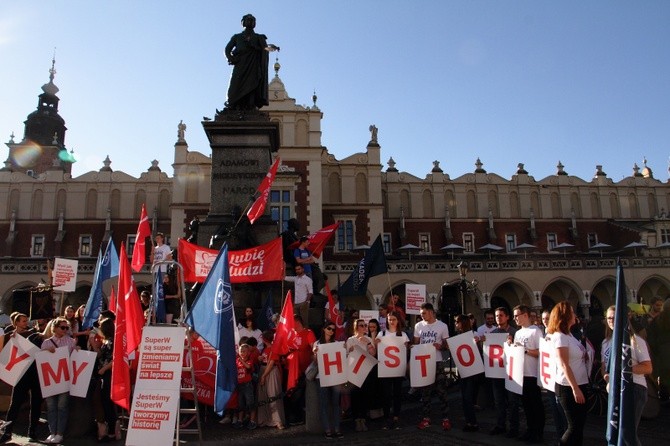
{"x": 248, "y": 53}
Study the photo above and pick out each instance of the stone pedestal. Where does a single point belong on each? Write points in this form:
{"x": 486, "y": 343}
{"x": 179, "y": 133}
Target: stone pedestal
{"x": 242, "y": 146}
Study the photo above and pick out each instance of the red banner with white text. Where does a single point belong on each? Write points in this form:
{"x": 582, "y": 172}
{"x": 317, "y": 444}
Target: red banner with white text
{"x": 263, "y": 263}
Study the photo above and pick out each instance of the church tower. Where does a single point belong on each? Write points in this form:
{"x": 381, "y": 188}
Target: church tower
{"x": 43, "y": 144}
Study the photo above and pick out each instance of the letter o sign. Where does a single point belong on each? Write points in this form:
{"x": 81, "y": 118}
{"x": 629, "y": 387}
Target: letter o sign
{"x": 465, "y": 350}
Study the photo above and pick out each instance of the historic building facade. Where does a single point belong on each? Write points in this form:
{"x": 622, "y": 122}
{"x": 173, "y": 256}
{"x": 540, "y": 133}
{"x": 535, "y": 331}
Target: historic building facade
{"x": 545, "y": 240}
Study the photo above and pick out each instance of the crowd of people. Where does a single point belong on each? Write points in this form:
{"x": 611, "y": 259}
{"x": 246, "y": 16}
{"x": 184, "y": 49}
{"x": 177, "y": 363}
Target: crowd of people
{"x": 50, "y": 334}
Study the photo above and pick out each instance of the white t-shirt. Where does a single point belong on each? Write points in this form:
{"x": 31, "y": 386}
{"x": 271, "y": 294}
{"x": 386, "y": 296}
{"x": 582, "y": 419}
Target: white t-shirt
{"x": 161, "y": 253}
{"x": 434, "y": 333}
{"x": 529, "y": 337}
{"x": 483, "y": 329}
{"x": 383, "y": 333}
{"x": 639, "y": 352}
{"x": 362, "y": 342}
{"x": 244, "y": 331}
{"x": 576, "y": 359}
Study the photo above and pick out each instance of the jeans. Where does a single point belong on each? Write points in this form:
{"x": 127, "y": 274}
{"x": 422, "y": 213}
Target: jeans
{"x": 533, "y": 407}
{"x": 392, "y": 395}
{"x": 439, "y": 387}
{"x": 57, "y": 412}
{"x": 468, "y": 391}
{"x": 640, "y": 397}
{"x": 557, "y": 411}
{"x": 505, "y": 401}
{"x": 29, "y": 382}
{"x": 575, "y": 415}
{"x": 329, "y": 401}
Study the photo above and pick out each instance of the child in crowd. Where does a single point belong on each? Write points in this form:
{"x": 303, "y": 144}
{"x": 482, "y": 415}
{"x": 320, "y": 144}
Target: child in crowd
{"x": 245, "y": 388}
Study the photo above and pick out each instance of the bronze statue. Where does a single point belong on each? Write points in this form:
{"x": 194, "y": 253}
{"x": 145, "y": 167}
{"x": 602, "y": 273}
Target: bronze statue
{"x": 248, "y": 53}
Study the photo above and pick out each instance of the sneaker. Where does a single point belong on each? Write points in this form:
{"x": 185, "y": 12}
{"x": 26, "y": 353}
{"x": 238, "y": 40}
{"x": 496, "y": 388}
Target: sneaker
{"x": 226, "y": 420}
{"x": 57, "y": 439}
{"x": 425, "y": 423}
{"x": 338, "y": 435}
{"x": 329, "y": 436}
{"x": 237, "y": 424}
{"x": 388, "y": 425}
{"x": 396, "y": 424}
{"x": 49, "y": 439}
{"x": 446, "y": 424}
{"x": 252, "y": 425}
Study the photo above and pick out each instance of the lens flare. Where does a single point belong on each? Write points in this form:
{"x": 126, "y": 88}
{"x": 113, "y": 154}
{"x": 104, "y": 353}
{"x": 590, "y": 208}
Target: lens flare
{"x": 27, "y": 156}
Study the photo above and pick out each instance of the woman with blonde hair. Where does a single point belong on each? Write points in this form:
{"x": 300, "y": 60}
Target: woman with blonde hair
{"x": 571, "y": 373}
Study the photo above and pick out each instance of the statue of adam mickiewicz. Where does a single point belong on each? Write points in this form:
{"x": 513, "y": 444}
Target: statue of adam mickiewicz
{"x": 248, "y": 53}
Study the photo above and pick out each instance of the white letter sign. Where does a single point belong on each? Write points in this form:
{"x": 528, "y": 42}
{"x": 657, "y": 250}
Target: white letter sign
{"x": 494, "y": 355}
{"x": 514, "y": 355}
{"x": 15, "y": 358}
{"x": 359, "y": 365}
{"x": 53, "y": 370}
{"x": 82, "y": 363}
{"x": 422, "y": 366}
{"x": 331, "y": 359}
{"x": 392, "y": 355}
{"x": 466, "y": 354}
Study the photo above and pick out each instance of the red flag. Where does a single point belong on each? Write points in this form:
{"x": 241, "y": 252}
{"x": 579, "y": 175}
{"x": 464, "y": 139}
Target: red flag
{"x": 112, "y": 300}
{"x": 120, "y": 392}
{"x": 334, "y": 314}
{"x": 286, "y": 327}
{"x": 263, "y": 263}
{"x": 257, "y": 209}
{"x": 130, "y": 302}
{"x": 319, "y": 239}
{"x": 139, "y": 250}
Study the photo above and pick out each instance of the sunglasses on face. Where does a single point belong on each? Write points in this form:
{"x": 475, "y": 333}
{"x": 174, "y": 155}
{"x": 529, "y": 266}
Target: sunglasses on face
{"x": 330, "y": 328}
{"x": 63, "y": 327}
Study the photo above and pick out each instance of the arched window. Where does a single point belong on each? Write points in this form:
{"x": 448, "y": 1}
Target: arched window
{"x": 92, "y": 203}
{"x": 514, "y": 207}
{"x": 115, "y": 204}
{"x": 36, "y": 205}
{"x": 164, "y": 204}
{"x": 61, "y": 202}
{"x": 493, "y": 203}
{"x": 596, "y": 212}
{"x": 361, "y": 188}
{"x": 301, "y": 133}
{"x": 555, "y": 205}
{"x": 576, "y": 204}
{"x": 140, "y": 199}
{"x": 633, "y": 206}
{"x": 405, "y": 203}
{"x": 471, "y": 200}
{"x": 335, "y": 188}
{"x": 614, "y": 206}
{"x": 450, "y": 203}
{"x": 535, "y": 204}
{"x": 427, "y": 199}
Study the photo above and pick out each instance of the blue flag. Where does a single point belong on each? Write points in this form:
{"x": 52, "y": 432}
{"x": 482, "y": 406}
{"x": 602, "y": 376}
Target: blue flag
{"x": 620, "y": 403}
{"x": 213, "y": 318}
{"x": 159, "y": 297}
{"x": 264, "y": 319}
{"x": 373, "y": 264}
{"x": 106, "y": 267}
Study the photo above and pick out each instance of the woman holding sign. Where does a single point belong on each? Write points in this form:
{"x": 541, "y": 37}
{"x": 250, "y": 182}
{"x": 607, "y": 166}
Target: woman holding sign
{"x": 392, "y": 386}
{"x": 359, "y": 396}
{"x": 571, "y": 374}
{"x": 329, "y": 397}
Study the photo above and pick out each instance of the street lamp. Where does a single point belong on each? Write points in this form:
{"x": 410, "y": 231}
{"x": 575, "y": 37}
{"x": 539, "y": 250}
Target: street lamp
{"x": 463, "y": 271}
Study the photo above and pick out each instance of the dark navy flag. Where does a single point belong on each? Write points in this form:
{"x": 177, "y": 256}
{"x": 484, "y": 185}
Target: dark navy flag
{"x": 106, "y": 267}
{"x": 373, "y": 264}
{"x": 213, "y": 318}
{"x": 159, "y": 297}
{"x": 264, "y": 319}
{"x": 620, "y": 404}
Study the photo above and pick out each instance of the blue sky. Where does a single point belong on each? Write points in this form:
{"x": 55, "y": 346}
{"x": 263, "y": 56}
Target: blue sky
{"x": 510, "y": 82}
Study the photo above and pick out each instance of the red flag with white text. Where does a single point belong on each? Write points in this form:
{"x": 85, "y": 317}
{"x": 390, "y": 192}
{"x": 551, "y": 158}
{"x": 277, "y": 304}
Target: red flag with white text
{"x": 130, "y": 300}
{"x": 319, "y": 239}
{"x": 139, "y": 250}
{"x": 262, "y": 263}
{"x": 257, "y": 209}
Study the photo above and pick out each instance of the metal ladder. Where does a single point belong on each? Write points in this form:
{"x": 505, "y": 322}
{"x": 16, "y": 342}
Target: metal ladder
{"x": 189, "y": 370}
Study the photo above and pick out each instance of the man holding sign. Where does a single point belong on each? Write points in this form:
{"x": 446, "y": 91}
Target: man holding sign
{"x": 432, "y": 331}
{"x": 503, "y": 398}
{"x": 529, "y": 336}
